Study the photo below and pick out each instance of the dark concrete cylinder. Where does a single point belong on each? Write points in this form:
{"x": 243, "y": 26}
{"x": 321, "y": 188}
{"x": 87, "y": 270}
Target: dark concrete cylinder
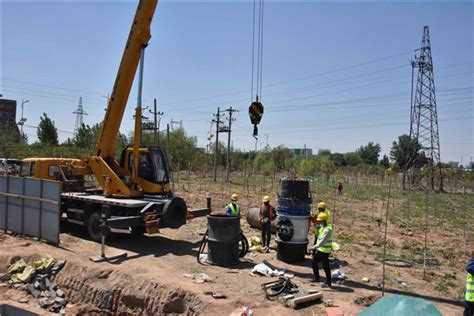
{"x": 223, "y": 239}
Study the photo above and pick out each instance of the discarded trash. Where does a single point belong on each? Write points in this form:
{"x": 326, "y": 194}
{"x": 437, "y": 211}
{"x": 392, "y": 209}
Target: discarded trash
{"x": 366, "y": 300}
{"x": 338, "y": 276}
{"x": 254, "y": 241}
{"x": 365, "y": 279}
{"x": 328, "y": 303}
{"x": 265, "y": 270}
{"x": 198, "y": 278}
{"x": 247, "y": 311}
{"x": 401, "y": 282}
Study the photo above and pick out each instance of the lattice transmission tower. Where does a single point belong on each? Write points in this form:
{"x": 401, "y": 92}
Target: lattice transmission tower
{"x": 79, "y": 117}
{"x": 424, "y": 114}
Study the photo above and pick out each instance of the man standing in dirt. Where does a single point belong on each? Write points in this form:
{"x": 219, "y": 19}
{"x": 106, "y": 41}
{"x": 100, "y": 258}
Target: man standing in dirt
{"x": 469, "y": 310}
{"x": 321, "y": 209}
{"x": 267, "y": 215}
{"x": 233, "y": 209}
{"x": 323, "y": 249}
{"x": 339, "y": 188}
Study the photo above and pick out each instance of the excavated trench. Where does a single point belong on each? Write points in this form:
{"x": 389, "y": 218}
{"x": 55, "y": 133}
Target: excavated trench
{"x": 109, "y": 292}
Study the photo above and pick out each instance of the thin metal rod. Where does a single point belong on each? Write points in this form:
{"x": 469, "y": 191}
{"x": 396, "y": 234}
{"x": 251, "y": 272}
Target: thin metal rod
{"x": 385, "y": 235}
{"x": 140, "y": 78}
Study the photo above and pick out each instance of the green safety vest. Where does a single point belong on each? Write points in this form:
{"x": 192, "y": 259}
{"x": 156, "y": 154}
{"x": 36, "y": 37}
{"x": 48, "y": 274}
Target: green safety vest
{"x": 470, "y": 288}
{"x": 327, "y": 246}
{"x": 234, "y": 211}
{"x": 329, "y": 221}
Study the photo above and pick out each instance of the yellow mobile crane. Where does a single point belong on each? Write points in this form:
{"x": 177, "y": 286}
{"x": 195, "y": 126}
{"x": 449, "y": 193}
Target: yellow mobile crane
{"x": 133, "y": 192}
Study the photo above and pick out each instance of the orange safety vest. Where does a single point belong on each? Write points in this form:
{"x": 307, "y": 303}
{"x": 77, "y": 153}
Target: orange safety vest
{"x": 270, "y": 209}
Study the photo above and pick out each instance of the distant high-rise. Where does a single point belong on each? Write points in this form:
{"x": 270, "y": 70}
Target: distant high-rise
{"x": 7, "y": 113}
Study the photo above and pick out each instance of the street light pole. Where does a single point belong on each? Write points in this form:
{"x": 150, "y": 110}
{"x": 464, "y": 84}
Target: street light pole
{"x": 23, "y": 119}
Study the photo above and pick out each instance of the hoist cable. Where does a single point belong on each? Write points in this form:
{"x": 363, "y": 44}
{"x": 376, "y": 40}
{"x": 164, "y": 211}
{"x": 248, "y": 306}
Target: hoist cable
{"x": 253, "y": 53}
{"x": 258, "y": 45}
{"x": 261, "y": 49}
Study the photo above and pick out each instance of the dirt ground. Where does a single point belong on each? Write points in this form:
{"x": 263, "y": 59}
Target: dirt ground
{"x": 150, "y": 280}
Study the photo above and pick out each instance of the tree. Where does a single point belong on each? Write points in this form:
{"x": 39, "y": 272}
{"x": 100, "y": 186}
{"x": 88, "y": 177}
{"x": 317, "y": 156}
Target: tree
{"x": 10, "y": 138}
{"x": 306, "y": 168}
{"x": 352, "y": 159}
{"x": 385, "y": 162}
{"x": 11, "y": 134}
{"x": 370, "y": 153}
{"x": 83, "y": 138}
{"x": 279, "y": 155}
{"x": 406, "y": 154}
{"x": 47, "y": 131}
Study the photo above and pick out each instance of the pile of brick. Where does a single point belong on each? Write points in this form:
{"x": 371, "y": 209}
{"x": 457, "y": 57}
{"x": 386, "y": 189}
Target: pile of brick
{"x": 37, "y": 279}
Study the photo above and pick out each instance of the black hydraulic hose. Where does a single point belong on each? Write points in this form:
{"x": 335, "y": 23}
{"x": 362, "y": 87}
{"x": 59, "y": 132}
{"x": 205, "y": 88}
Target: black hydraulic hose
{"x": 203, "y": 245}
{"x": 245, "y": 245}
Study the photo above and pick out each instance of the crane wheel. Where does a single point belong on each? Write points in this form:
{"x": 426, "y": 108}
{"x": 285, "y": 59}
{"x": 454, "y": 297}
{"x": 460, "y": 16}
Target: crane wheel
{"x": 174, "y": 213}
{"x": 93, "y": 228}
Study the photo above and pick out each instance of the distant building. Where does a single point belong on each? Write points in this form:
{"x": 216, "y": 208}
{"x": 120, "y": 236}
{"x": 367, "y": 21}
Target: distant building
{"x": 7, "y": 113}
{"x": 302, "y": 152}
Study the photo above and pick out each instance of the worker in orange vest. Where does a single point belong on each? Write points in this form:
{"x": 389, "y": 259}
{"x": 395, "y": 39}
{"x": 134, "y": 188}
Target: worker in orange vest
{"x": 267, "y": 215}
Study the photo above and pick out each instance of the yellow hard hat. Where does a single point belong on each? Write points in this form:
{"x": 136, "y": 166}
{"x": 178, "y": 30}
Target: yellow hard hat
{"x": 322, "y": 205}
{"x": 234, "y": 197}
{"x": 266, "y": 198}
{"x": 322, "y": 217}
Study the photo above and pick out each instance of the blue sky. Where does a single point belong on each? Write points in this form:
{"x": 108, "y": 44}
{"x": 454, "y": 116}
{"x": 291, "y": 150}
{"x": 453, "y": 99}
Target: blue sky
{"x": 336, "y": 75}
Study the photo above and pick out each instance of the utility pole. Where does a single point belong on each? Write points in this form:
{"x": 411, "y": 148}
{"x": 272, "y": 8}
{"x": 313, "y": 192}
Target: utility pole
{"x": 208, "y": 146}
{"x": 217, "y": 120}
{"x": 23, "y": 119}
{"x": 180, "y": 123}
{"x": 168, "y": 141}
{"x": 424, "y": 116}
{"x": 228, "y": 130}
{"x": 157, "y": 119}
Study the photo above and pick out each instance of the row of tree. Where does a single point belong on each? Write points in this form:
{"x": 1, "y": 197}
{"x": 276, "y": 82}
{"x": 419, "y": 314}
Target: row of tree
{"x": 184, "y": 154}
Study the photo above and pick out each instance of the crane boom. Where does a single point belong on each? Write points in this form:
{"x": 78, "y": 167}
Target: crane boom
{"x": 138, "y": 38}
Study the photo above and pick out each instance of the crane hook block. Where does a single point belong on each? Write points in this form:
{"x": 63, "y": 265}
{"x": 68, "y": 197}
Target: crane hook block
{"x": 256, "y": 112}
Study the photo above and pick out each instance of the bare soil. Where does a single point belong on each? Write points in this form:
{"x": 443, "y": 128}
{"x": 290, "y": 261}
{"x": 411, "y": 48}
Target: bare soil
{"x": 150, "y": 280}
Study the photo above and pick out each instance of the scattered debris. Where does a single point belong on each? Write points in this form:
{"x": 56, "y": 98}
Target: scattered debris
{"x": 23, "y": 300}
{"x": 36, "y": 279}
{"x": 288, "y": 293}
{"x": 366, "y": 279}
{"x": 328, "y": 303}
{"x": 366, "y": 300}
{"x": 338, "y": 276}
{"x": 401, "y": 282}
{"x": 198, "y": 278}
{"x": 265, "y": 270}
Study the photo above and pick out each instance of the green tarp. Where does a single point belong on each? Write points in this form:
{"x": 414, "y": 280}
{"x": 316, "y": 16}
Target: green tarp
{"x": 395, "y": 305}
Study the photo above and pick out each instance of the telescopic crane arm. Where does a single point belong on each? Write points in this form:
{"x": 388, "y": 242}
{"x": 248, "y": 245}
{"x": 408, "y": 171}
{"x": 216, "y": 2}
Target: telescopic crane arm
{"x": 137, "y": 39}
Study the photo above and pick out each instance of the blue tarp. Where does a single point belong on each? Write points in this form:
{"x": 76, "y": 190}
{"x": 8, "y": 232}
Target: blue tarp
{"x": 395, "y": 305}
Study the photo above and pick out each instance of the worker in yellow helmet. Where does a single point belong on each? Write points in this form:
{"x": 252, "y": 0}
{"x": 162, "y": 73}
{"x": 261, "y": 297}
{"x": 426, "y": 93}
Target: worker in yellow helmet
{"x": 267, "y": 215}
{"x": 469, "y": 310}
{"x": 322, "y": 208}
{"x": 323, "y": 248}
{"x": 233, "y": 209}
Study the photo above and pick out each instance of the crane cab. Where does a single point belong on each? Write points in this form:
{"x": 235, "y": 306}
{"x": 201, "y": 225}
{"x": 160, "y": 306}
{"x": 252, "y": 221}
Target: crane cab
{"x": 153, "y": 170}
